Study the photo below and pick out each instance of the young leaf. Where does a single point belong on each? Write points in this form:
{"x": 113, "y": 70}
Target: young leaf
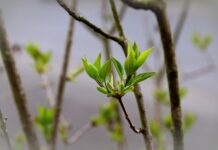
{"x": 90, "y": 69}
{"x": 141, "y": 77}
{"x": 97, "y": 62}
{"x": 105, "y": 70}
{"x": 182, "y": 92}
{"x": 168, "y": 121}
{"x": 129, "y": 63}
{"x": 102, "y": 90}
{"x": 128, "y": 89}
{"x": 47, "y": 57}
{"x": 189, "y": 120}
{"x": 118, "y": 67}
{"x": 33, "y": 50}
{"x": 136, "y": 49}
{"x": 142, "y": 58}
{"x": 155, "y": 129}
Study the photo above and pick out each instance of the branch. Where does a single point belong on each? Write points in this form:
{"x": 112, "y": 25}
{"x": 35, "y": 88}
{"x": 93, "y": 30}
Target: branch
{"x": 47, "y": 87}
{"x": 181, "y": 21}
{"x": 116, "y": 19}
{"x": 4, "y": 130}
{"x": 137, "y": 90}
{"x": 199, "y": 72}
{"x": 17, "y": 90}
{"x": 152, "y": 5}
{"x": 79, "y": 133}
{"x": 62, "y": 80}
{"x": 122, "y": 12}
{"x": 83, "y": 20}
{"x": 159, "y": 9}
{"x": 139, "y": 130}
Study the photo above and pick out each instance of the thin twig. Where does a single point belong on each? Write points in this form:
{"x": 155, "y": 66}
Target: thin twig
{"x": 122, "y": 12}
{"x": 62, "y": 79}
{"x": 116, "y": 19}
{"x": 88, "y": 23}
{"x": 47, "y": 87}
{"x": 80, "y": 133}
{"x": 198, "y": 73}
{"x": 181, "y": 21}
{"x": 132, "y": 126}
{"x": 4, "y": 130}
{"x": 18, "y": 91}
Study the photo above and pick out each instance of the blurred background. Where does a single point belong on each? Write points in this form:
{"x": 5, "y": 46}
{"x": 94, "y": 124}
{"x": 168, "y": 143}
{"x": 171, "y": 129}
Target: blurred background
{"x": 45, "y": 22}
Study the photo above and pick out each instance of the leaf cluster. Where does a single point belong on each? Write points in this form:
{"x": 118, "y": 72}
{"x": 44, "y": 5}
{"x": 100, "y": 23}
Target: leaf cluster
{"x": 188, "y": 121}
{"x": 162, "y": 96}
{"x": 201, "y": 42}
{"x": 106, "y": 117}
{"x": 102, "y": 73}
{"x": 44, "y": 121}
{"x": 41, "y": 59}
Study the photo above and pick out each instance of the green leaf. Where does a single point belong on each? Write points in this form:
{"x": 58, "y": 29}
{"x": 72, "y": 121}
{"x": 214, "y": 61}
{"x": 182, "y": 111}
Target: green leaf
{"x": 155, "y": 129}
{"x": 105, "y": 70}
{"x": 189, "y": 120}
{"x": 102, "y": 90}
{"x": 33, "y": 50}
{"x": 44, "y": 121}
{"x": 182, "y": 92}
{"x": 162, "y": 96}
{"x": 129, "y": 64}
{"x": 128, "y": 89}
{"x": 47, "y": 57}
{"x": 97, "y": 62}
{"x": 142, "y": 58}
{"x": 118, "y": 67}
{"x": 50, "y": 115}
{"x": 136, "y": 50}
{"x": 116, "y": 134}
{"x": 90, "y": 69}
{"x": 168, "y": 121}
{"x": 139, "y": 78}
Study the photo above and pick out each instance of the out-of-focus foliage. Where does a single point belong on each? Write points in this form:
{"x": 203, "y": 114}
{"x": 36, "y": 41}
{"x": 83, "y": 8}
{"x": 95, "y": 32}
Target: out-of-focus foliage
{"x": 44, "y": 121}
{"x": 41, "y": 59}
{"x": 201, "y": 42}
{"x": 107, "y": 117}
{"x": 162, "y": 96}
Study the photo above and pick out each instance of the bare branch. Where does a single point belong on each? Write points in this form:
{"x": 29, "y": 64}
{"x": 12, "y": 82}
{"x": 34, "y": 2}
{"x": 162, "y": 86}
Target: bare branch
{"x": 139, "y": 130}
{"x": 80, "y": 133}
{"x": 62, "y": 80}
{"x": 122, "y": 12}
{"x": 159, "y": 9}
{"x": 199, "y": 72}
{"x": 181, "y": 21}
{"x": 17, "y": 90}
{"x": 88, "y": 23}
{"x": 47, "y": 87}
{"x": 116, "y": 19}
{"x": 152, "y": 5}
